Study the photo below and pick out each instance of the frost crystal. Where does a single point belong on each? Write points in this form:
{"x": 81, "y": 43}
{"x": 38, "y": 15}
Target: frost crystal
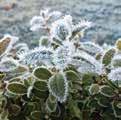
{"x": 8, "y": 64}
{"x": 115, "y": 74}
{"x": 116, "y": 61}
{"x": 36, "y": 23}
{"x": 6, "y": 44}
{"x": 38, "y": 56}
{"x": 58, "y": 87}
{"x": 44, "y": 19}
{"x": 91, "y": 48}
{"x": 86, "y": 63}
{"x": 63, "y": 54}
{"x": 61, "y": 29}
{"x": 82, "y": 25}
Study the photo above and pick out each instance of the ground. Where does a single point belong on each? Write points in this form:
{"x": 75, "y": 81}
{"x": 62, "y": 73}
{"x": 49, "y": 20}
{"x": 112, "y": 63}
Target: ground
{"x": 105, "y": 14}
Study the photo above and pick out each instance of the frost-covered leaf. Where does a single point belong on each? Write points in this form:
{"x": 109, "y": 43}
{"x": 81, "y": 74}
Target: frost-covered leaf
{"x": 37, "y": 57}
{"x": 118, "y": 44}
{"x": 103, "y": 101}
{"x": 107, "y": 91}
{"x": 40, "y": 85}
{"x": 116, "y": 61}
{"x": 83, "y": 24}
{"x": 119, "y": 105}
{"x": 72, "y": 76}
{"x": 94, "y": 89}
{"x": 62, "y": 55}
{"x": 86, "y": 63}
{"x": 116, "y": 109}
{"x": 42, "y": 73}
{"x": 37, "y": 22}
{"x": 58, "y": 86}
{"x": 53, "y": 16}
{"x": 6, "y": 43}
{"x": 91, "y": 48}
{"x": 109, "y": 54}
{"x": 41, "y": 94}
{"x": 62, "y": 28}
{"x": 16, "y": 88}
{"x": 115, "y": 74}
{"x": 51, "y": 106}
{"x": 36, "y": 115}
{"x": 20, "y": 48}
{"x": 44, "y": 41}
{"x": 15, "y": 109}
{"x": 8, "y": 64}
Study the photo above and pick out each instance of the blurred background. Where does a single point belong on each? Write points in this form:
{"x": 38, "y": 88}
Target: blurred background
{"x": 105, "y": 14}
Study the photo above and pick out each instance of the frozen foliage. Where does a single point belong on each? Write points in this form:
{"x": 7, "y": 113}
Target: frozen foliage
{"x": 44, "y": 19}
{"x": 6, "y": 44}
{"x": 116, "y": 61}
{"x": 82, "y": 24}
{"x": 63, "y": 54}
{"x": 91, "y": 48}
{"x": 8, "y": 64}
{"x": 62, "y": 78}
{"x": 115, "y": 74}
{"x": 38, "y": 56}
{"x": 87, "y": 63}
{"x": 61, "y": 91}
{"x": 62, "y": 28}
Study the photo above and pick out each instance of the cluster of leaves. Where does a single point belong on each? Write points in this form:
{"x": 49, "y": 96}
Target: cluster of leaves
{"x": 62, "y": 78}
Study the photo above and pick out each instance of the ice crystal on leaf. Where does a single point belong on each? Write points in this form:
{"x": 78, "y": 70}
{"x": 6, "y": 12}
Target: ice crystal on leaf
{"x": 115, "y": 74}
{"x": 58, "y": 86}
{"x": 62, "y": 28}
{"x": 116, "y": 61}
{"x": 63, "y": 54}
{"x": 38, "y": 56}
{"x": 86, "y": 63}
{"x": 37, "y": 22}
{"x": 6, "y": 44}
{"x": 91, "y": 48}
{"x": 62, "y": 75}
{"x": 44, "y": 20}
{"x": 83, "y": 24}
{"x": 8, "y": 64}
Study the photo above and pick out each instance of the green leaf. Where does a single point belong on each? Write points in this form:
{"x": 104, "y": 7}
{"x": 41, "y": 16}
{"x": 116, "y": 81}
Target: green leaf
{"x": 2, "y": 75}
{"x": 40, "y": 85}
{"x": 5, "y": 44}
{"x": 89, "y": 79}
{"x": 42, "y": 73}
{"x": 58, "y": 86}
{"x": 119, "y": 105}
{"x": 74, "y": 109}
{"x": 94, "y": 89}
{"x": 15, "y": 109}
{"x": 44, "y": 41}
{"x": 4, "y": 115}
{"x": 51, "y": 105}
{"x": 52, "y": 98}
{"x": 116, "y": 109}
{"x": 40, "y": 94}
{"x": 108, "y": 56}
{"x": 103, "y": 101}
{"x": 72, "y": 76}
{"x": 16, "y": 88}
{"x": 107, "y": 91}
{"x": 36, "y": 115}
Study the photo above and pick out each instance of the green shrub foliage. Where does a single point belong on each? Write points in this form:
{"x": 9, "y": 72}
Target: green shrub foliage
{"x": 62, "y": 78}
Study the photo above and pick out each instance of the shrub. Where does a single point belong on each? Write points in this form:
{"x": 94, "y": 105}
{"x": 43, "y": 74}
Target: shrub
{"x": 62, "y": 78}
